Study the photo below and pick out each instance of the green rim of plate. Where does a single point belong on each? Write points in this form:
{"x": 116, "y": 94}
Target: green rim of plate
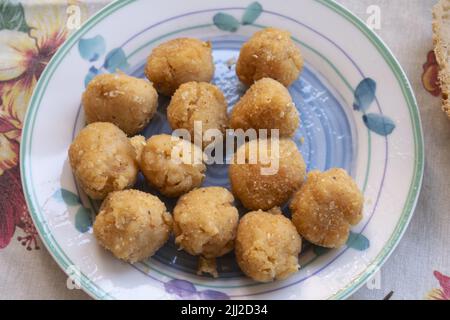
{"x": 98, "y": 293}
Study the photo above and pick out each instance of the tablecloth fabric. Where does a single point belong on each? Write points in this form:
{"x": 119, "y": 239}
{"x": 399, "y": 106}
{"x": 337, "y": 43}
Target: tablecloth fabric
{"x": 30, "y": 33}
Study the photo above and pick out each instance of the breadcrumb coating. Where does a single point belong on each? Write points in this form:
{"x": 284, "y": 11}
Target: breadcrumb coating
{"x": 205, "y": 222}
{"x": 267, "y": 246}
{"x": 198, "y": 102}
{"x": 258, "y": 191}
{"x": 266, "y": 105}
{"x": 162, "y": 171}
{"x": 138, "y": 143}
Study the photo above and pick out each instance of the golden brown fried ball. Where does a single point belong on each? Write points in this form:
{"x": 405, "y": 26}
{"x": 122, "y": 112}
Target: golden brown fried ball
{"x": 266, "y": 105}
{"x": 128, "y": 102}
{"x": 326, "y": 206}
{"x": 205, "y": 222}
{"x": 267, "y": 246}
{"x": 132, "y": 224}
{"x": 179, "y": 61}
{"x": 103, "y": 160}
{"x": 269, "y": 53}
{"x": 198, "y": 102}
{"x": 259, "y": 185}
{"x": 172, "y": 165}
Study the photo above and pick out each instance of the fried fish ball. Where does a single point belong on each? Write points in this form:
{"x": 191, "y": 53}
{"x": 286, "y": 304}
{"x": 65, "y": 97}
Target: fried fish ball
{"x": 205, "y": 222}
{"x": 130, "y": 103}
{"x": 266, "y": 105}
{"x": 269, "y": 53}
{"x": 132, "y": 224}
{"x": 179, "y": 61}
{"x": 266, "y": 182}
{"x": 267, "y": 246}
{"x": 198, "y": 102}
{"x": 326, "y": 206}
{"x": 172, "y": 165}
{"x": 103, "y": 160}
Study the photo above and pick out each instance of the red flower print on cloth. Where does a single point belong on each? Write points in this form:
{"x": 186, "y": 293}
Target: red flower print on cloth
{"x": 442, "y": 293}
{"x": 430, "y": 75}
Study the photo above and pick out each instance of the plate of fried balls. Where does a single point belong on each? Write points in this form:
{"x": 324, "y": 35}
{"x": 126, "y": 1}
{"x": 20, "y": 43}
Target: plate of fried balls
{"x": 124, "y": 217}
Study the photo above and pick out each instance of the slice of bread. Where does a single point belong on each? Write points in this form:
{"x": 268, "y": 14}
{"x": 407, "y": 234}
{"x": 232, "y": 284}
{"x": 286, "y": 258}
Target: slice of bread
{"x": 441, "y": 38}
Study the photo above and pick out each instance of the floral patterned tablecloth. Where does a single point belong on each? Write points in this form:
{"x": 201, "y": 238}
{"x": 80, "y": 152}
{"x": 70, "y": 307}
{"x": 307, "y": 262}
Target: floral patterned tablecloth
{"x": 32, "y": 30}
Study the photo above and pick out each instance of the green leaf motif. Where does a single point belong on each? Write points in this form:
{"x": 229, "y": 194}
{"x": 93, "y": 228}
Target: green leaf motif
{"x": 66, "y": 196}
{"x": 83, "y": 221}
{"x": 252, "y": 13}
{"x": 226, "y": 22}
{"x": 12, "y": 16}
{"x": 358, "y": 242}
